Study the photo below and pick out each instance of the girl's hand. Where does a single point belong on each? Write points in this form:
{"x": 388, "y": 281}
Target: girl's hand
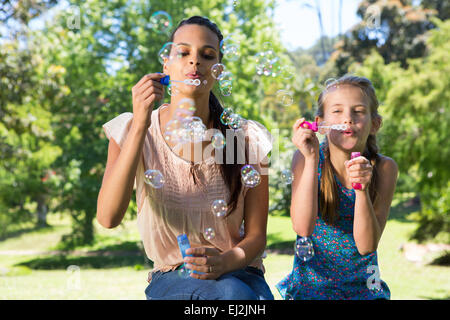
{"x": 206, "y": 260}
{"x": 145, "y": 93}
{"x": 305, "y": 140}
{"x": 359, "y": 170}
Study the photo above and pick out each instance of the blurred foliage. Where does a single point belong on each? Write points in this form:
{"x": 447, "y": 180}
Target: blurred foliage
{"x": 90, "y": 54}
{"x": 60, "y": 83}
{"x": 416, "y": 123}
{"x": 396, "y": 29}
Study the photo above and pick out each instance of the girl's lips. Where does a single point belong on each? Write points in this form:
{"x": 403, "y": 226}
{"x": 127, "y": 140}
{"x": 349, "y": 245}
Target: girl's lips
{"x": 348, "y": 133}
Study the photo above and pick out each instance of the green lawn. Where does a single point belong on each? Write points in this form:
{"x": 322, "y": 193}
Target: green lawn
{"x": 38, "y": 276}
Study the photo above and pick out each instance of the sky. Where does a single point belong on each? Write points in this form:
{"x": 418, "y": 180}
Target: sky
{"x": 299, "y": 26}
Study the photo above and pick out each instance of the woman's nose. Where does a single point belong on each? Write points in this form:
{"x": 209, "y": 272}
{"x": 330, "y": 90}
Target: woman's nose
{"x": 194, "y": 61}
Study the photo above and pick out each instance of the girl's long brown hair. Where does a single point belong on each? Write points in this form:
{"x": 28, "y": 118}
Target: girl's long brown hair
{"x": 328, "y": 196}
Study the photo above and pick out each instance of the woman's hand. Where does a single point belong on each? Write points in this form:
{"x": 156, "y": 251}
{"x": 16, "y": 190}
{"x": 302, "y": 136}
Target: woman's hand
{"x": 206, "y": 260}
{"x": 359, "y": 170}
{"x": 305, "y": 140}
{"x": 145, "y": 93}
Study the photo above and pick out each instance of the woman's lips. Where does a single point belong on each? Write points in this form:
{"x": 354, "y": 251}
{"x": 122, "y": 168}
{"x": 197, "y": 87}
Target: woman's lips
{"x": 194, "y": 75}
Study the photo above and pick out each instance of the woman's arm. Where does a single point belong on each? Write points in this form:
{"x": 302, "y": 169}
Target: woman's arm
{"x": 256, "y": 206}
{"x": 117, "y": 185}
{"x": 118, "y": 180}
{"x": 370, "y": 219}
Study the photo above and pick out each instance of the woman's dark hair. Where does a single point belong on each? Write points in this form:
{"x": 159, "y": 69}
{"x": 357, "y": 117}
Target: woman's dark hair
{"x": 230, "y": 171}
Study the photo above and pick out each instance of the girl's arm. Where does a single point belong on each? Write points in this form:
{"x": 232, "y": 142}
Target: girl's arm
{"x": 304, "y": 205}
{"x": 304, "y": 201}
{"x": 370, "y": 219}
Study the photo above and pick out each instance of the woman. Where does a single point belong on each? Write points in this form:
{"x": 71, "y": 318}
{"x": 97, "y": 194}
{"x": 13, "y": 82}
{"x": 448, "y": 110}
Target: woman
{"x": 225, "y": 264}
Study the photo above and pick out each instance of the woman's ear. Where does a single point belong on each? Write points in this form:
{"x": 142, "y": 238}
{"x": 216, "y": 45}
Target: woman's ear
{"x": 165, "y": 69}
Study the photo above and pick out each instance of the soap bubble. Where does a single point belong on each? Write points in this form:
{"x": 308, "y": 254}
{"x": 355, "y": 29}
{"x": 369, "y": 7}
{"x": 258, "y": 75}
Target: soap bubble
{"x": 172, "y": 131}
{"x": 192, "y": 130}
{"x": 185, "y": 108}
{"x": 330, "y": 82}
{"x": 235, "y": 121}
{"x": 232, "y": 52}
{"x": 172, "y": 89}
{"x": 219, "y": 208}
{"x": 226, "y": 76}
{"x": 229, "y": 46}
{"x": 209, "y": 233}
{"x": 154, "y": 178}
{"x": 287, "y": 176}
{"x": 285, "y": 97}
{"x": 287, "y": 72}
{"x": 250, "y": 177}
{"x": 304, "y": 249}
{"x": 267, "y": 64}
{"x": 225, "y": 86}
{"x": 165, "y": 52}
{"x": 218, "y": 140}
{"x": 161, "y": 22}
{"x": 224, "y": 117}
{"x": 184, "y": 272}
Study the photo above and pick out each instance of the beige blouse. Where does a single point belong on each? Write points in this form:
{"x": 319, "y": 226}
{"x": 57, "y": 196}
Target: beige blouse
{"x": 183, "y": 204}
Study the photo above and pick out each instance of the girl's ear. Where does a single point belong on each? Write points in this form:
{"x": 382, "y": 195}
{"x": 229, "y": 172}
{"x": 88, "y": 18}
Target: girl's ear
{"x": 318, "y": 119}
{"x": 376, "y": 125}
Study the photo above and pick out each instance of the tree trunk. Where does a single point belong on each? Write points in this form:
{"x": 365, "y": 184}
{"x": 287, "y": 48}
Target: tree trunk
{"x": 42, "y": 210}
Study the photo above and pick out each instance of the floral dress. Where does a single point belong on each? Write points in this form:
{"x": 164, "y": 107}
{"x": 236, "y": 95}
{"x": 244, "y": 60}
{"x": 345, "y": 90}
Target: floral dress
{"x": 336, "y": 271}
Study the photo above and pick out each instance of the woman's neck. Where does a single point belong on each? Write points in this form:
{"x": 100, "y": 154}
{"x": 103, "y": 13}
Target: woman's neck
{"x": 201, "y": 106}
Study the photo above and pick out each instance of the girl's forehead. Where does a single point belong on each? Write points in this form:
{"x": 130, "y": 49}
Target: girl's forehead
{"x": 196, "y": 35}
{"x": 345, "y": 95}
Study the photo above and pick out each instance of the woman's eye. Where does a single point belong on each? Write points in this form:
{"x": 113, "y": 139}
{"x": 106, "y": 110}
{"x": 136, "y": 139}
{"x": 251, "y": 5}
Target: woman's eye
{"x": 209, "y": 57}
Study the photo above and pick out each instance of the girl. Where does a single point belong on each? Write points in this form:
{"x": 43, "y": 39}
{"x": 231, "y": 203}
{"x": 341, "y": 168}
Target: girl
{"x": 224, "y": 264}
{"x": 344, "y": 225}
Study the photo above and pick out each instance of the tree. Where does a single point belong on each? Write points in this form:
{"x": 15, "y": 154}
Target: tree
{"x": 28, "y": 87}
{"x": 394, "y": 28}
{"x": 416, "y": 112}
{"x": 109, "y": 50}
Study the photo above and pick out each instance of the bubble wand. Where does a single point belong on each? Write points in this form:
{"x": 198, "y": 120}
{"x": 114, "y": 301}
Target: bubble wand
{"x": 193, "y": 82}
{"x": 314, "y": 126}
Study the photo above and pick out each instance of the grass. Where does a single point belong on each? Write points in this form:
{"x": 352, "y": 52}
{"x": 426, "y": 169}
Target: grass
{"x": 97, "y": 274}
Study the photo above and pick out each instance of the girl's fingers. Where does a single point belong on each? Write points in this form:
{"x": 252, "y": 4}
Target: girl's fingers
{"x": 359, "y": 167}
{"x": 297, "y": 124}
{"x": 358, "y": 174}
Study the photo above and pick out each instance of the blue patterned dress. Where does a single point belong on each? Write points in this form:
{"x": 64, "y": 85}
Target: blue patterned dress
{"x": 337, "y": 271}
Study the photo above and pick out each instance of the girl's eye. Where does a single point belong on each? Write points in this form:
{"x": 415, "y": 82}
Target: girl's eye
{"x": 209, "y": 57}
{"x": 336, "y": 111}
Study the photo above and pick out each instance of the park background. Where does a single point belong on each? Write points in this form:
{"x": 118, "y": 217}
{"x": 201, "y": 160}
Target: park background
{"x": 67, "y": 67}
